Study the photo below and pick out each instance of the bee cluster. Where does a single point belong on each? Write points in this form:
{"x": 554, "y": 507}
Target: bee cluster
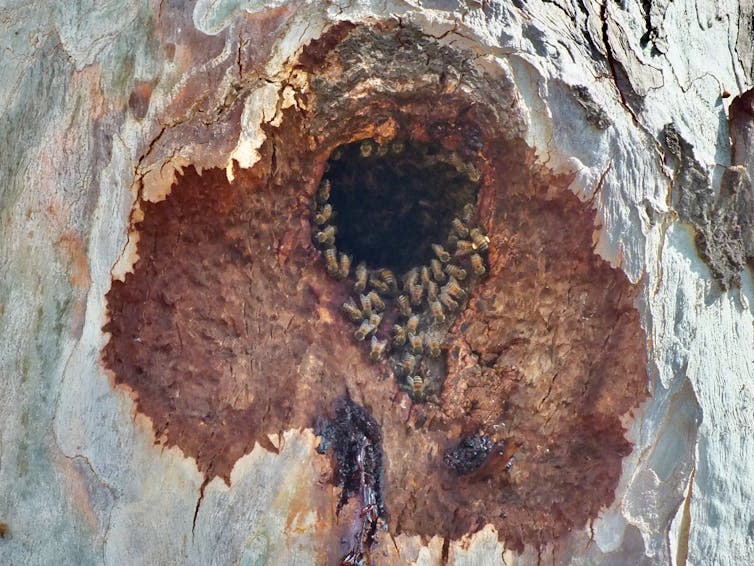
{"x": 405, "y": 317}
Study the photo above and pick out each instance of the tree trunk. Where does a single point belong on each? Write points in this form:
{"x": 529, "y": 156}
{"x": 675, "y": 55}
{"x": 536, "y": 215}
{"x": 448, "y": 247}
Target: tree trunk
{"x": 181, "y": 382}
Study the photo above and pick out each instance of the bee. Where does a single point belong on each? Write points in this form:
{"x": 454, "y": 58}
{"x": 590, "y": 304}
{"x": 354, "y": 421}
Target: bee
{"x": 453, "y": 289}
{"x": 455, "y": 271}
{"x": 480, "y": 240}
{"x": 464, "y": 247}
{"x": 416, "y": 385}
{"x": 345, "y": 265}
{"x": 323, "y": 193}
{"x": 364, "y": 330}
{"x": 353, "y": 312}
{"x": 437, "y": 272}
{"x": 377, "y": 348}
{"x": 376, "y": 301}
{"x": 326, "y": 237}
{"x": 424, "y": 275}
{"x": 468, "y": 213}
{"x": 412, "y": 325}
{"x": 366, "y": 305}
{"x": 473, "y": 173}
{"x": 399, "y": 335}
{"x": 433, "y": 346}
{"x": 415, "y": 293}
{"x": 460, "y": 228}
{"x": 448, "y": 301}
{"x": 477, "y": 264}
{"x": 440, "y": 252}
{"x": 437, "y": 311}
{"x": 378, "y": 284}
{"x": 431, "y": 291}
{"x": 389, "y": 278}
{"x": 336, "y": 154}
{"x": 398, "y": 147}
{"x": 415, "y": 343}
{"x": 455, "y": 160}
{"x": 331, "y": 261}
{"x": 382, "y": 149}
{"x": 361, "y": 278}
{"x": 408, "y": 364}
{"x": 410, "y": 278}
{"x": 323, "y": 215}
{"x": 366, "y": 148}
{"x": 404, "y": 306}
{"x": 375, "y": 320}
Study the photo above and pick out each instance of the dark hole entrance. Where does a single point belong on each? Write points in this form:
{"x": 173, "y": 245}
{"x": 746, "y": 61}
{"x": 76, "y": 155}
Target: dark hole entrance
{"x": 393, "y": 201}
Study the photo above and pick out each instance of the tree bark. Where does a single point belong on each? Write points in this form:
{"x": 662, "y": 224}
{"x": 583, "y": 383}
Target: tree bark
{"x": 146, "y": 145}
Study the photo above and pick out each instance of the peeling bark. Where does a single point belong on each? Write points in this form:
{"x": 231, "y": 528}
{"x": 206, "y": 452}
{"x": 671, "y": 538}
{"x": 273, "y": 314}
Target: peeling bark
{"x": 167, "y": 316}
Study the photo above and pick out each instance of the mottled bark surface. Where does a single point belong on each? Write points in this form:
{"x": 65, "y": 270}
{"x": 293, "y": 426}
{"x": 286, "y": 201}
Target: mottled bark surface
{"x": 157, "y": 178}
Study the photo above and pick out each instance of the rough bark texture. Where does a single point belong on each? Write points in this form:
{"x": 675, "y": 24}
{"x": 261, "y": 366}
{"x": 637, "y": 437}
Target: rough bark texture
{"x": 172, "y": 344}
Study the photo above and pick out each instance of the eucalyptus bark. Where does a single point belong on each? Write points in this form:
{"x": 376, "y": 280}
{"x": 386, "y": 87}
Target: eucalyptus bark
{"x": 640, "y": 110}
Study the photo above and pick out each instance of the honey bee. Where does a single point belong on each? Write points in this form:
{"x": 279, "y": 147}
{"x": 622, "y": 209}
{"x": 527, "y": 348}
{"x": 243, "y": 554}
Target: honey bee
{"x": 408, "y": 364}
{"x": 477, "y": 264}
{"x": 366, "y": 148}
{"x": 468, "y": 213}
{"x": 437, "y": 272}
{"x": 326, "y": 237}
{"x": 437, "y": 311}
{"x": 412, "y": 325}
{"x": 464, "y": 247}
{"x": 398, "y": 147}
{"x": 366, "y": 305}
{"x": 481, "y": 242}
{"x": 433, "y": 346}
{"x": 382, "y": 149}
{"x": 416, "y": 385}
{"x": 473, "y": 173}
{"x": 415, "y": 293}
{"x": 323, "y": 193}
{"x": 389, "y": 278}
{"x": 336, "y": 154}
{"x": 378, "y": 284}
{"x": 375, "y": 320}
{"x": 331, "y": 261}
{"x": 361, "y": 278}
{"x": 424, "y": 275}
{"x": 453, "y": 289}
{"x": 399, "y": 335}
{"x": 410, "y": 278}
{"x": 364, "y": 330}
{"x": 455, "y": 160}
{"x": 455, "y": 271}
{"x": 377, "y": 348}
{"x": 404, "y": 306}
{"x": 415, "y": 343}
{"x": 353, "y": 312}
{"x": 460, "y": 228}
{"x": 448, "y": 301}
{"x": 345, "y": 265}
{"x": 376, "y": 301}
{"x": 431, "y": 291}
{"x": 440, "y": 252}
{"x": 323, "y": 215}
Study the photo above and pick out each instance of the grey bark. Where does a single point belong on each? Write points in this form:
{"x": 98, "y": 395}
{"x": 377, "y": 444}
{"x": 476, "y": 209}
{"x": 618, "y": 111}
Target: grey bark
{"x": 80, "y": 479}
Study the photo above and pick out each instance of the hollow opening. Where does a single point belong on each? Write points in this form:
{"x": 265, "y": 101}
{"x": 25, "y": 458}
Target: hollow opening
{"x": 229, "y": 328}
{"x": 392, "y": 201}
